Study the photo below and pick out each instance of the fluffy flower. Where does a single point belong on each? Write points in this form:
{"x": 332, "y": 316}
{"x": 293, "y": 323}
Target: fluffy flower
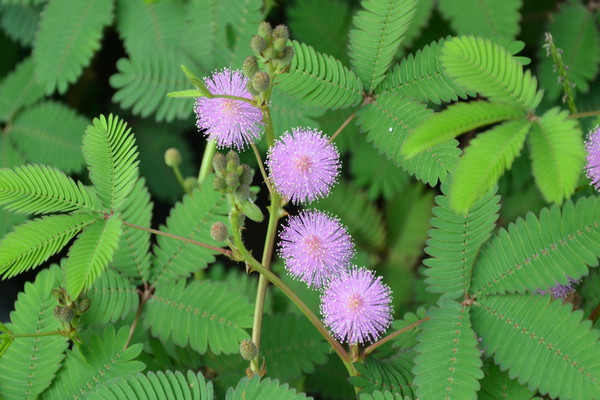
{"x": 315, "y": 246}
{"x": 303, "y": 166}
{"x": 356, "y": 306}
{"x": 560, "y": 291}
{"x": 592, "y": 146}
{"x": 231, "y": 123}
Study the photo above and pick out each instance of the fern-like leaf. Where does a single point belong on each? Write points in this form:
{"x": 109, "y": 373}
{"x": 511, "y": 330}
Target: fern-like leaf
{"x": 484, "y": 161}
{"x": 537, "y": 253}
{"x": 288, "y": 111}
{"x": 205, "y": 31}
{"x": 392, "y": 374}
{"x": 202, "y": 314}
{"x": 33, "y": 242}
{"x": 64, "y": 46}
{"x": 191, "y": 219}
{"x": 483, "y": 17}
{"x": 160, "y": 385}
{"x": 30, "y": 363}
{"x": 96, "y": 361}
{"x": 112, "y": 297}
{"x": 110, "y": 152}
{"x": 389, "y": 120}
{"x": 557, "y": 154}
{"x": 91, "y": 252}
{"x": 485, "y": 67}
{"x": 258, "y": 389}
{"x": 455, "y": 242}
{"x": 421, "y": 77}
{"x": 541, "y": 342}
{"x": 320, "y": 80}
{"x": 378, "y": 31}
{"x": 379, "y": 395}
{"x": 19, "y": 22}
{"x": 38, "y": 189}
{"x": 50, "y": 133}
{"x": 496, "y": 385}
{"x": 456, "y": 120}
{"x": 18, "y": 90}
{"x": 449, "y": 363}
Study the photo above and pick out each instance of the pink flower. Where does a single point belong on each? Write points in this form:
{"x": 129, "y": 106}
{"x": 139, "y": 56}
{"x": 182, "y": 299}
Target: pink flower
{"x": 356, "y": 306}
{"x": 315, "y": 246}
{"x": 231, "y": 123}
{"x": 592, "y": 146}
{"x": 303, "y": 165}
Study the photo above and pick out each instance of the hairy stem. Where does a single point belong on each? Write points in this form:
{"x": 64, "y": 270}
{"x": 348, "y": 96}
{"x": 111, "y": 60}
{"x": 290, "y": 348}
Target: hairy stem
{"x": 391, "y": 336}
{"x": 206, "y": 165}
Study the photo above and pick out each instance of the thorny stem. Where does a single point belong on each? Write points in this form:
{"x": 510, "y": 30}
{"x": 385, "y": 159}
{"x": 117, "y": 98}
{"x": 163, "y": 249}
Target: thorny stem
{"x": 391, "y": 336}
{"x": 145, "y": 296}
{"x": 226, "y": 252}
{"x": 341, "y": 128}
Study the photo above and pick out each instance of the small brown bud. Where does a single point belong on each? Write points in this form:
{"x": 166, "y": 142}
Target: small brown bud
{"x": 218, "y": 231}
{"x": 248, "y": 350}
{"x": 172, "y": 157}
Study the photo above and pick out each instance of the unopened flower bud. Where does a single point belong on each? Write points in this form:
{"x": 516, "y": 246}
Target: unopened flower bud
{"x": 287, "y": 56}
{"x": 247, "y": 175}
{"x": 250, "y": 66}
{"x": 258, "y": 44}
{"x": 279, "y": 44}
{"x": 172, "y": 157}
{"x": 248, "y": 350}
{"x": 190, "y": 183}
{"x": 281, "y": 31}
{"x": 242, "y": 193}
{"x": 84, "y": 305}
{"x": 232, "y": 180}
{"x": 63, "y": 314}
{"x": 261, "y": 81}
{"x": 219, "y": 184}
{"x": 233, "y": 160}
{"x": 265, "y": 29}
{"x": 219, "y": 162}
{"x": 218, "y": 231}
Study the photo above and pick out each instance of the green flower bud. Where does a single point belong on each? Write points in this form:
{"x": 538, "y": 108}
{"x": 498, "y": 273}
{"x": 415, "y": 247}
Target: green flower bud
{"x": 287, "y": 56}
{"x": 218, "y": 231}
{"x": 279, "y": 44}
{"x": 247, "y": 175}
{"x": 84, "y": 305}
{"x": 261, "y": 81}
{"x": 264, "y": 29}
{"x": 248, "y": 350}
{"x": 64, "y": 314}
{"x": 233, "y": 160}
{"x": 269, "y": 53}
{"x": 232, "y": 180}
{"x": 219, "y": 163}
{"x": 219, "y": 184}
{"x": 172, "y": 157}
{"x": 190, "y": 183}
{"x": 250, "y": 66}
{"x": 242, "y": 193}
{"x": 281, "y": 31}
{"x": 258, "y": 44}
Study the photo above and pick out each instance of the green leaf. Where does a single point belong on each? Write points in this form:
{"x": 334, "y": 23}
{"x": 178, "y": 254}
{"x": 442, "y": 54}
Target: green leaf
{"x": 197, "y": 82}
{"x": 483, "y": 17}
{"x": 191, "y": 218}
{"x": 258, "y": 389}
{"x": 33, "y": 242}
{"x": 378, "y": 31}
{"x": 98, "y": 360}
{"x": 91, "y": 252}
{"x": 421, "y": 77}
{"x": 485, "y": 67}
{"x": 497, "y": 385}
{"x": 389, "y": 120}
{"x": 485, "y": 160}
{"x": 20, "y": 22}
{"x": 50, "y": 133}
{"x": 455, "y": 120}
{"x": 18, "y": 90}
{"x": 320, "y": 80}
{"x": 540, "y": 252}
{"x": 64, "y": 46}
{"x": 163, "y": 385}
{"x": 449, "y": 362}
{"x": 454, "y": 244}
{"x": 30, "y": 363}
{"x": 557, "y": 154}
{"x": 191, "y": 94}
{"x": 288, "y": 111}
{"x": 38, "y": 189}
{"x": 393, "y": 374}
{"x": 559, "y": 348}
{"x": 378, "y": 395}
{"x": 110, "y": 152}
{"x": 202, "y": 314}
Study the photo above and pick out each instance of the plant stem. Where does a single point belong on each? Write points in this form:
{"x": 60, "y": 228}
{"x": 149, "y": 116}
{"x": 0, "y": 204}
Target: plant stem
{"x": 585, "y": 114}
{"x": 206, "y": 165}
{"x": 227, "y": 96}
{"x": 145, "y": 296}
{"x": 226, "y": 252}
{"x": 179, "y": 177}
{"x": 389, "y": 337}
{"x": 341, "y": 128}
{"x": 262, "y": 168}
{"x": 39, "y": 334}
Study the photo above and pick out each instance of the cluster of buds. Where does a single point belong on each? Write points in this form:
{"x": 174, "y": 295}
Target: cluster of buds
{"x": 67, "y": 310}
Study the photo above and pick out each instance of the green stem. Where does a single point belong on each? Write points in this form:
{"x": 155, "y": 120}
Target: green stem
{"x": 179, "y": 177}
{"x": 206, "y": 165}
{"x": 389, "y": 337}
{"x": 39, "y": 334}
{"x": 227, "y": 96}
{"x": 341, "y": 128}
{"x": 145, "y": 296}
{"x": 261, "y": 167}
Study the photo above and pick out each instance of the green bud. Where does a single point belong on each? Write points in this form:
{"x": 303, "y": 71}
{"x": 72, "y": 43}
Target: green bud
{"x": 281, "y": 31}
{"x": 219, "y": 162}
{"x": 258, "y": 44}
{"x": 251, "y": 211}
{"x": 219, "y": 184}
{"x": 261, "y": 81}
{"x": 250, "y": 66}
{"x": 287, "y": 56}
{"x": 248, "y": 350}
{"x": 63, "y": 314}
{"x": 190, "y": 183}
{"x": 247, "y": 175}
{"x": 264, "y": 29}
{"x": 269, "y": 53}
{"x": 233, "y": 160}
{"x": 232, "y": 180}
{"x": 250, "y": 89}
{"x": 242, "y": 193}
{"x": 84, "y": 305}
{"x": 172, "y": 157}
{"x": 218, "y": 231}
{"x": 279, "y": 44}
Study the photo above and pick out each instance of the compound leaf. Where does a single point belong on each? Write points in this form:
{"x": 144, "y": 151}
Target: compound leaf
{"x": 18, "y": 90}
{"x": 258, "y": 389}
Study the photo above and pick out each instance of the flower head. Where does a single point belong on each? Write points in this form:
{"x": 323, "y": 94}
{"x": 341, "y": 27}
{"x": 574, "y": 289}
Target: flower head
{"x": 303, "y": 165}
{"x": 560, "y": 291}
{"x": 592, "y": 146}
{"x": 356, "y": 306}
{"x": 231, "y": 123}
{"x": 315, "y": 246}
